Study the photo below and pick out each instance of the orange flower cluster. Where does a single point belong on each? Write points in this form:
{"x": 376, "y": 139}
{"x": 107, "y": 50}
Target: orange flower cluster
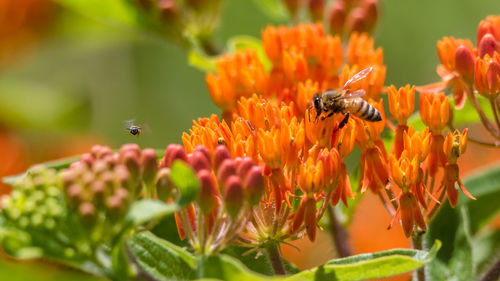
{"x": 267, "y": 117}
{"x": 470, "y": 70}
{"x": 418, "y": 156}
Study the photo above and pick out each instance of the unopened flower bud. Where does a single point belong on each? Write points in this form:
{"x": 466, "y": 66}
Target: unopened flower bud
{"x": 68, "y": 177}
{"x": 149, "y": 165}
{"x": 337, "y": 16}
{"x": 464, "y": 63}
{"x": 164, "y": 185}
{"x": 198, "y": 161}
{"x": 233, "y": 195}
{"x": 221, "y": 154}
{"x": 356, "y": 21}
{"x": 169, "y": 10}
{"x": 244, "y": 166}
{"x": 371, "y": 14}
{"x": 487, "y": 45}
{"x": 74, "y": 193}
{"x": 254, "y": 185}
{"x": 115, "y": 207}
{"x": 292, "y": 6}
{"x": 316, "y": 8}
{"x": 131, "y": 161}
{"x": 87, "y": 212}
{"x": 205, "y": 151}
{"x": 173, "y": 152}
{"x": 122, "y": 193}
{"x": 87, "y": 159}
{"x": 485, "y": 27}
{"x": 98, "y": 190}
{"x": 226, "y": 169}
{"x": 122, "y": 175}
{"x": 208, "y": 191}
{"x": 130, "y": 147}
{"x": 99, "y": 166}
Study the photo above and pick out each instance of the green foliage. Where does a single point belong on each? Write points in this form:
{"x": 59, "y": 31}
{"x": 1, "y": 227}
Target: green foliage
{"x": 185, "y": 180}
{"x": 165, "y": 261}
{"x": 464, "y": 244}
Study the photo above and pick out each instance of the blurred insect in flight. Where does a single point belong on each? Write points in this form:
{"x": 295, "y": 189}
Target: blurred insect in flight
{"x": 133, "y": 129}
{"x": 343, "y": 101}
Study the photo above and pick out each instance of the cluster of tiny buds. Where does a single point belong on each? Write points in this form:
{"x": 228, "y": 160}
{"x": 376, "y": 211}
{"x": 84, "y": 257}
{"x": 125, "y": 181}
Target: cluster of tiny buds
{"x": 103, "y": 181}
{"x": 35, "y": 202}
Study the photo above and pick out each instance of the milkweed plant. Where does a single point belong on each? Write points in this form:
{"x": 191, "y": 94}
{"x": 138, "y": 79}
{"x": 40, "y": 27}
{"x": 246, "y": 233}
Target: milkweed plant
{"x": 267, "y": 171}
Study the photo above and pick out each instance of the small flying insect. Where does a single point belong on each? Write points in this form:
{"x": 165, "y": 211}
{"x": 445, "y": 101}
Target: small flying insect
{"x": 346, "y": 102}
{"x": 133, "y": 129}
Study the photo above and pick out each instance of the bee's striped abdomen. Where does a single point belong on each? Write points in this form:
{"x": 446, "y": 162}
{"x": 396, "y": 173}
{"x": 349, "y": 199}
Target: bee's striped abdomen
{"x": 364, "y": 110}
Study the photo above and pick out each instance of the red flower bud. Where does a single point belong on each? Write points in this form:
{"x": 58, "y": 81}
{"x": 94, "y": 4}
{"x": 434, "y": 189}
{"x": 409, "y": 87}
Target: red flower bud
{"x": 233, "y": 195}
{"x": 485, "y": 27}
{"x": 208, "y": 191}
{"x": 226, "y": 169}
{"x": 131, "y": 161}
{"x": 198, "y": 161}
{"x": 464, "y": 63}
{"x": 244, "y": 166}
{"x": 487, "y": 45}
{"x": 173, "y": 152}
{"x": 254, "y": 185}
{"x": 221, "y": 154}
{"x": 205, "y": 151}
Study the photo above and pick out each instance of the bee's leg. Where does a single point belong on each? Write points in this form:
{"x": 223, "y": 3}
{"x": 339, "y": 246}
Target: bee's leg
{"x": 329, "y": 115}
{"x": 343, "y": 122}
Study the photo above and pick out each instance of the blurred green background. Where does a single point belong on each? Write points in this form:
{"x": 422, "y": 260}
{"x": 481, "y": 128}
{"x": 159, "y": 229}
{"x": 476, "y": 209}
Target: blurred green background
{"x": 82, "y": 78}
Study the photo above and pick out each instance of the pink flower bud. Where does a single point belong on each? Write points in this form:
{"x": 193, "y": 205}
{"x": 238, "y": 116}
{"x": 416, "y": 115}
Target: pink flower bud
{"x": 464, "y": 63}
{"x": 208, "y": 191}
{"x": 356, "y": 20}
{"x": 164, "y": 185}
{"x": 254, "y": 185}
{"x": 68, "y": 177}
{"x": 371, "y": 14}
{"x": 131, "y": 161}
{"x": 99, "y": 166}
{"x": 87, "y": 212}
{"x": 74, "y": 193}
{"x": 205, "y": 151}
{"x": 233, "y": 195}
{"x": 98, "y": 189}
{"x": 487, "y": 45}
{"x": 221, "y": 154}
{"x": 337, "y": 16}
{"x": 122, "y": 174}
{"x": 149, "y": 165}
{"x": 226, "y": 169}
{"x": 173, "y": 152}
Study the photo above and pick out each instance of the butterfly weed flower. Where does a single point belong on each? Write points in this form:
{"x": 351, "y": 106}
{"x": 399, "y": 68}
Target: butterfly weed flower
{"x": 401, "y": 106}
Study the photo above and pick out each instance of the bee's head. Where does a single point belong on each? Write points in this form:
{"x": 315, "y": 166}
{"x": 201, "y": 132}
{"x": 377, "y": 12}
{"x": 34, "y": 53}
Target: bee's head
{"x": 317, "y": 104}
{"x": 134, "y": 130}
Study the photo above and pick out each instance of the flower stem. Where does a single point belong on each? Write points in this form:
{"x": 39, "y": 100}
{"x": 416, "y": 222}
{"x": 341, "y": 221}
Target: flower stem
{"x": 417, "y": 243}
{"x": 273, "y": 253}
{"x": 493, "y": 274}
{"x": 495, "y": 112}
{"x": 339, "y": 234}
{"x": 486, "y": 122}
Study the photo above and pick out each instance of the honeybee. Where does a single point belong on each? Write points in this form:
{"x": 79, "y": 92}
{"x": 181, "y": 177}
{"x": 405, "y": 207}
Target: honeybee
{"x": 133, "y": 129}
{"x": 343, "y": 101}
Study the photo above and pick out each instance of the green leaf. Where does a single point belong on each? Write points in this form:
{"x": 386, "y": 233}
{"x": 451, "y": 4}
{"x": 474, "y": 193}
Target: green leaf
{"x": 255, "y": 262}
{"x": 273, "y": 8}
{"x": 120, "y": 263}
{"x": 161, "y": 259}
{"x": 224, "y": 267}
{"x": 185, "y": 180}
{"x": 369, "y": 266}
{"x": 242, "y": 42}
{"x": 114, "y": 12}
{"x": 146, "y": 210}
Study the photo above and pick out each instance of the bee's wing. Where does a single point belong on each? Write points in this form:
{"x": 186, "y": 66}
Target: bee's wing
{"x": 356, "y": 94}
{"x": 129, "y": 123}
{"x": 145, "y": 128}
{"x": 358, "y": 76}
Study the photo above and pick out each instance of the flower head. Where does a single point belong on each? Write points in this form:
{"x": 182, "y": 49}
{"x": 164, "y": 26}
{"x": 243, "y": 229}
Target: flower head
{"x": 401, "y": 102}
{"x": 487, "y": 76}
{"x": 435, "y": 111}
